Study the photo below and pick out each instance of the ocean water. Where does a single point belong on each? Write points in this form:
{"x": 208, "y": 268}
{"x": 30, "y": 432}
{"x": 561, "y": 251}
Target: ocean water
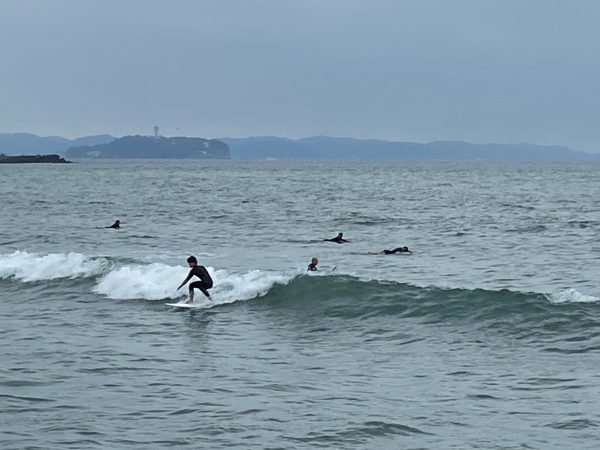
{"x": 488, "y": 336}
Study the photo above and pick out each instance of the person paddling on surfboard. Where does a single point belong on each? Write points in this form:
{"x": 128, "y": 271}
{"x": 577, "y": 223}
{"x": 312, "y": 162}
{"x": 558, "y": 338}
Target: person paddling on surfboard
{"x": 392, "y": 252}
{"x": 339, "y": 239}
{"x": 312, "y": 267}
{"x": 205, "y": 282}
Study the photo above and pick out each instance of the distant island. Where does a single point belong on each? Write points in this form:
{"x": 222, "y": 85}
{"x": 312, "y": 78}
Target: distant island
{"x": 326, "y": 147}
{"x": 28, "y": 159}
{"x": 154, "y": 147}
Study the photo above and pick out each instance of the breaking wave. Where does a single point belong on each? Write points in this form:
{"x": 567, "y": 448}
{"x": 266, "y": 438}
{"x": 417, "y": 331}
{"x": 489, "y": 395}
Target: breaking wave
{"x": 159, "y": 281}
{"x": 29, "y": 267}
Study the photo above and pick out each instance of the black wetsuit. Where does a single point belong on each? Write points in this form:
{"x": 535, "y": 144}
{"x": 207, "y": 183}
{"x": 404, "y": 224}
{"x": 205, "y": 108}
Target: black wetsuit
{"x": 396, "y": 250}
{"x": 312, "y": 267}
{"x": 337, "y": 239}
{"x": 205, "y": 282}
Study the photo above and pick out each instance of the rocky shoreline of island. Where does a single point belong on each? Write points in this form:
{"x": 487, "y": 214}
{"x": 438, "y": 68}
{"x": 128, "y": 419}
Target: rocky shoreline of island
{"x": 29, "y": 159}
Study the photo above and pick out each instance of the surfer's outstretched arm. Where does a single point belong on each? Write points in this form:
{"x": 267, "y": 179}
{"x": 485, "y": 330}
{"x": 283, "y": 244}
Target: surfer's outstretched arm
{"x": 184, "y": 282}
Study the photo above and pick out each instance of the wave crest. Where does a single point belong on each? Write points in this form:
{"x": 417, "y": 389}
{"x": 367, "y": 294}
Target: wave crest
{"x": 30, "y": 267}
{"x": 572, "y": 296}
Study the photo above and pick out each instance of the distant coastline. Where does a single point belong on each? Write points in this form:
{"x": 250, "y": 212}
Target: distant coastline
{"x": 31, "y": 144}
{"x": 106, "y": 146}
{"x": 340, "y": 148}
{"x": 31, "y": 159}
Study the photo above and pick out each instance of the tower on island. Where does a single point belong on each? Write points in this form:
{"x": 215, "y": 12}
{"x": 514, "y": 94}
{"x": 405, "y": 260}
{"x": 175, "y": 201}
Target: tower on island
{"x": 155, "y": 131}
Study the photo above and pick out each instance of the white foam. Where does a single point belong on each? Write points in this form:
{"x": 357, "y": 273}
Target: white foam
{"x": 29, "y": 267}
{"x": 231, "y": 287}
{"x": 159, "y": 281}
{"x": 151, "y": 282}
{"x": 572, "y": 296}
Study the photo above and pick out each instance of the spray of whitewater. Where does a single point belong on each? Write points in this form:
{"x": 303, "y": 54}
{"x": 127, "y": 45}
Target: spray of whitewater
{"x": 30, "y": 267}
{"x": 159, "y": 281}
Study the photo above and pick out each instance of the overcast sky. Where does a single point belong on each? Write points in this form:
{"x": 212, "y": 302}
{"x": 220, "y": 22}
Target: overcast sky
{"x": 504, "y": 71}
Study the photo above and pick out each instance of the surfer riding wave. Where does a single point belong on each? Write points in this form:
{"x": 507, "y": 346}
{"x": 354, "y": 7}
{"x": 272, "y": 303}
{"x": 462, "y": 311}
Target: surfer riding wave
{"x": 205, "y": 282}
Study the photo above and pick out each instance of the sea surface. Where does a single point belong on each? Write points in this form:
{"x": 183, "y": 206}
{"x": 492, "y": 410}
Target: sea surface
{"x": 486, "y": 337}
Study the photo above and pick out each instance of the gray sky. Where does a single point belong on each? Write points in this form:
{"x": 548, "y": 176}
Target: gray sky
{"x": 476, "y": 70}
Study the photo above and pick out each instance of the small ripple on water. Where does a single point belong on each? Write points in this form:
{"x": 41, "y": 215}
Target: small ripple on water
{"x": 575, "y": 424}
{"x": 359, "y": 434}
{"x": 483, "y": 397}
{"x": 10, "y": 397}
{"x": 25, "y": 383}
{"x": 572, "y": 351}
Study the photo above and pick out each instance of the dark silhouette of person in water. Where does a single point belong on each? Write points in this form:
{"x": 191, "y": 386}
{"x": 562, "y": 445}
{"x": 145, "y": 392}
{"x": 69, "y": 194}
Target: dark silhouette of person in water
{"x": 339, "y": 239}
{"x": 205, "y": 282}
{"x": 392, "y": 252}
{"x": 117, "y": 224}
{"x": 312, "y": 267}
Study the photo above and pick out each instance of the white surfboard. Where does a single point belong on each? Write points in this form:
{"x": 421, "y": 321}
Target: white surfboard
{"x": 185, "y": 305}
